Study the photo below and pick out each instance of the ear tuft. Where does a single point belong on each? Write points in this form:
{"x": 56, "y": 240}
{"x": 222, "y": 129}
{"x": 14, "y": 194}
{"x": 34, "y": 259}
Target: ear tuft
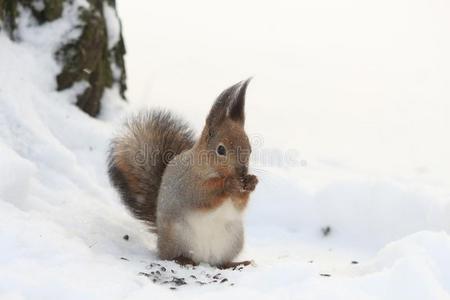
{"x": 236, "y": 109}
{"x": 230, "y": 103}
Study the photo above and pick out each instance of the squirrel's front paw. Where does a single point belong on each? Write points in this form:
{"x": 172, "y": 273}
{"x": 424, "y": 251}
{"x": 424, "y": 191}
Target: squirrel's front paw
{"x": 233, "y": 185}
{"x": 250, "y": 182}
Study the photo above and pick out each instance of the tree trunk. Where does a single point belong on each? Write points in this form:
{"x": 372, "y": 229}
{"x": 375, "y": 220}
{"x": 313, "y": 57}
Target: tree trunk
{"x": 90, "y": 57}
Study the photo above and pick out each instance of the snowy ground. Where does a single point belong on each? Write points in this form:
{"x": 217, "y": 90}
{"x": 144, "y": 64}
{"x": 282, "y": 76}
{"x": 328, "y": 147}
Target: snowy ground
{"x": 358, "y": 90}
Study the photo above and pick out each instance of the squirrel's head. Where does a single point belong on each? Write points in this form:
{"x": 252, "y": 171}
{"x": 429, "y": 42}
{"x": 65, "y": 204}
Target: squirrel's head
{"x": 224, "y": 138}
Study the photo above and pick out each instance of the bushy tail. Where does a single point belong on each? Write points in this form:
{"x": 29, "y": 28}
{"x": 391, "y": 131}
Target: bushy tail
{"x": 139, "y": 156}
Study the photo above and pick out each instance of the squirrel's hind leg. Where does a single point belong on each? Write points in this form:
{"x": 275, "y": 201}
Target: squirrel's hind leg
{"x": 184, "y": 261}
{"x": 231, "y": 265}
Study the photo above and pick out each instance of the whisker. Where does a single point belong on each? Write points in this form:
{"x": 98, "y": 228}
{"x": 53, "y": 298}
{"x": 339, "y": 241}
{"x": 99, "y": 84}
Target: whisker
{"x": 259, "y": 170}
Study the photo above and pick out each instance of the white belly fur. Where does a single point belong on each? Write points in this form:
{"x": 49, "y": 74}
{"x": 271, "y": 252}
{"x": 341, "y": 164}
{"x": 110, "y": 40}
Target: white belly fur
{"x": 212, "y": 235}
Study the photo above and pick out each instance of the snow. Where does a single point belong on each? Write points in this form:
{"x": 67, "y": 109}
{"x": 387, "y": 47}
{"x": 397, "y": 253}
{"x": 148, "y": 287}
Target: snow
{"x": 363, "y": 111}
{"x": 112, "y": 25}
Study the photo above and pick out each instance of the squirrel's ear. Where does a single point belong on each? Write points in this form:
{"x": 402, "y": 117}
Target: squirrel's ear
{"x": 236, "y": 108}
{"x": 230, "y": 103}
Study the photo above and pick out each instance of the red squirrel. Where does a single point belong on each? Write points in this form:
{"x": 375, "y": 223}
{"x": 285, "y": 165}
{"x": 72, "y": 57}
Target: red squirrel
{"x": 191, "y": 192}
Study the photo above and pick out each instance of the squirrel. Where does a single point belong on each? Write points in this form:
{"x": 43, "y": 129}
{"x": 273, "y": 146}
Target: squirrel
{"x": 191, "y": 193}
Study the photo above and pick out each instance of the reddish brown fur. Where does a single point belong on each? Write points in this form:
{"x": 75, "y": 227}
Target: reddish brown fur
{"x": 213, "y": 186}
{"x": 213, "y": 203}
{"x": 240, "y": 201}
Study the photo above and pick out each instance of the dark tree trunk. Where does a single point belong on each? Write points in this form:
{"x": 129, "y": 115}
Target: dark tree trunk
{"x": 87, "y": 58}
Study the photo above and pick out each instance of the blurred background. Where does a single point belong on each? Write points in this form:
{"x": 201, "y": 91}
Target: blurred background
{"x": 355, "y": 85}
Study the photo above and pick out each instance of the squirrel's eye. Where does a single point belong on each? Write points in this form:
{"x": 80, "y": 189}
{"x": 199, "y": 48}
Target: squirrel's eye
{"x": 221, "y": 150}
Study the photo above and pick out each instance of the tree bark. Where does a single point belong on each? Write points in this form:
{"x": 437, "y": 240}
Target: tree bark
{"x": 88, "y": 58}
